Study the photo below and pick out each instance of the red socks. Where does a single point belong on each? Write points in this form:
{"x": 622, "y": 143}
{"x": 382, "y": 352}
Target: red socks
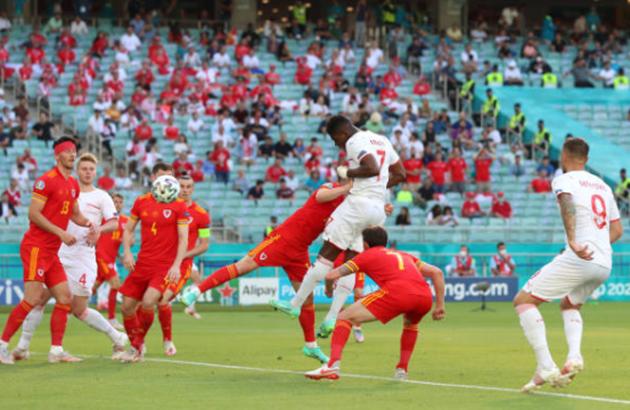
{"x": 407, "y": 344}
{"x": 339, "y": 339}
{"x": 145, "y": 317}
{"x": 111, "y": 304}
{"x": 165, "y": 314}
{"x": 58, "y": 322}
{"x": 307, "y": 321}
{"x": 219, "y": 277}
{"x": 132, "y": 324}
{"x": 16, "y": 318}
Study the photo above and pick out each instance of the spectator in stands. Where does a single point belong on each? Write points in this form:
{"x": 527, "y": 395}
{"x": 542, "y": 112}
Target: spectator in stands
{"x": 273, "y": 224}
{"x": 512, "y": 74}
{"x": 122, "y": 181}
{"x": 545, "y": 165}
{"x": 13, "y": 192}
{"x": 106, "y": 182}
{"x": 5, "y": 23}
{"x": 529, "y": 49}
{"x": 469, "y": 59}
{"x": 404, "y": 195}
{"x": 21, "y": 110}
{"x": 7, "y": 209}
{"x": 292, "y": 180}
{"x": 438, "y": 169}
{"x": 490, "y": 138}
{"x": 501, "y": 264}
{"x": 54, "y": 25}
{"x": 78, "y": 28}
{"x": 256, "y": 192}
{"x": 375, "y": 123}
{"x": 144, "y": 130}
{"x": 425, "y": 193}
{"x": 241, "y": 184}
{"x": 581, "y": 74}
{"x": 275, "y": 172}
{"x": 282, "y": 148}
{"x": 44, "y": 129}
{"x": 403, "y": 218}
{"x": 5, "y": 139}
{"x": 182, "y": 146}
{"x": 541, "y": 184}
{"x": 471, "y": 208}
{"x": 518, "y": 120}
{"x": 221, "y": 157}
{"x": 483, "y": 160}
{"x": 130, "y": 40}
{"x": 9, "y": 119}
{"x": 622, "y": 192}
{"x": 182, "y": 166}
{"x": 517, "y": 169}
{"x": 501, "y": 207}
{"x": 221, "y": 59}
{"x": 20, "y": 131}
{"x": 462, "y": 264}
{"x": 539, "y": 66}
{"x": 621, "y": 81}
{"x": 458, "y": 171}
{"x": 266, "y": 149}
{"x": 558, "y": 45}
{"x": 505, "y": 52}
{"x": 478, "y": 34}
{"x": 284, "y": 192}
{"x": 314, "y": 181}
{"x": 607, "y": 75}
{"x": 541, "y": 142}
{"x": 433, "y": 216}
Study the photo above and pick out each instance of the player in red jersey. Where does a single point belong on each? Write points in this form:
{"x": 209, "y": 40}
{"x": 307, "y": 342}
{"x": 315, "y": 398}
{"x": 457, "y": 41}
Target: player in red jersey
{"x": 403, "y": 291}
{"x": 54, "y": 204}
{"x": 198, "y": 243}
{"x": 106, "y": 254}
{"x": 164, "y": 233}
{"x": 287, "y": 247}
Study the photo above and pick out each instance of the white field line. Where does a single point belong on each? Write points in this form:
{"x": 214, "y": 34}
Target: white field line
{"x": 360, "y": 376}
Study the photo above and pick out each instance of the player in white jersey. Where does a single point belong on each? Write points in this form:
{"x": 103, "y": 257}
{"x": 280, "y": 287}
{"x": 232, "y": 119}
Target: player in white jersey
{"x": 79, "y": 263}
{"x": 591, "y": 223}
{"x": 374, "y": 166}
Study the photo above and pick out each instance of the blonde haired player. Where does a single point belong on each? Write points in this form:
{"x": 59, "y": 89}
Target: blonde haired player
{"x": 79, "y": 263}
{"x": 591, "y": 223}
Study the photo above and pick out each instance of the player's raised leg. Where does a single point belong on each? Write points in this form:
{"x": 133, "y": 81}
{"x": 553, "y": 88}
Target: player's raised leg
{"x": 342, "y": 291}
{"x": 533, "y": 326}
{"x": 195, "y": 277}
{"x": 219, "y": 277}
{"x": 356, "y": 314}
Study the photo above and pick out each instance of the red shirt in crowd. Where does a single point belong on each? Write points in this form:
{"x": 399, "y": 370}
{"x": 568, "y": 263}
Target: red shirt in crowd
{"x": 470, "y": 207}
{"x": 171, "y": 132}
{"x": 180, "y": 167}
{"x": 221, "y": 157}
{"x": 392, "y": 79}
{"x": 272, "y": 78}
{"x": 241, "y": 51}
{"x": 482, "y": 167}
{"x": 36, "y": 55}
{"x": 275, "y": 173}
{"x": 541, "y": 185}
{"x": 438, "y": 170}
{"x": 106, "y": 183}
{"x": 421, "y": 89}
{"x": 456, "y": 167}
{"x": 413, "y": 164}
{"x": 144, "y": 132}
{"x": 503, "y": 209}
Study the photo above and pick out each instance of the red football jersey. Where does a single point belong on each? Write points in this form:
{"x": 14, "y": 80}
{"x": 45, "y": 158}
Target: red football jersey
{"x": 159, "y": 228}
{"x": 58, "y": 195}
{"x": 391, "y": 270}
{"x": 482, "y": 167}
{"x": 438, "y": 169}
{"x": 199, "y": 223}
{"x": 109, "y": 243}
{"x": 413, "y": 164}
{"x": 308, "y": 222}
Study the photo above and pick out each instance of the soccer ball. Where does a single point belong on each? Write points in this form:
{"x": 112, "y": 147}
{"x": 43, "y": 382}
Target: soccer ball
{"x": 165, "y": 189}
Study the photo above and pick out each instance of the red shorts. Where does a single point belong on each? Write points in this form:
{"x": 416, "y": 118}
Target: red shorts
{"x": 143, "y": 278}
{"x": 42, "y": 265}
{"x": 185, "y": 270}
{"x": 385, "y": 305}
{"x": 359, "y": 280}
{"x": 274, "y": 251}
{"x": 105, "y": 271}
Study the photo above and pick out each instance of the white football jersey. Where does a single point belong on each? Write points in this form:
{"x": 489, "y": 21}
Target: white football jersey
{"x": 97, "y": 206}
{"x": 595, "y": 208}
{"x": 365, "y": 143}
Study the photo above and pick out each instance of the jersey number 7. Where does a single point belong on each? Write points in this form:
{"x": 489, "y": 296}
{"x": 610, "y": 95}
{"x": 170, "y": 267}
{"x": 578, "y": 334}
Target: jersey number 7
{"x": 381, "y": 155}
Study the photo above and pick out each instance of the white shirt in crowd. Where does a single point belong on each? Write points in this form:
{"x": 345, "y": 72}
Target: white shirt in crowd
{"x": 123, "y": 182}
{"x": 221, "y": 60}
{"x": 512, "y": 73}
{"x": 96, "y": 124}
{"x": 79, "y": 28}
{"x": 312, "y": 61}
{"x": 376, "y": 56}
{"x": 466, "y": 56}
{"x": 251, "y": 61}
{"x": 5, "y": 24}
{"x": 207, "y": 76}
{"x": 608, "y": 76}
{"x": 192, "y": 60}
{"x": 130, "y": 41}
{"x": 195, "y": 125}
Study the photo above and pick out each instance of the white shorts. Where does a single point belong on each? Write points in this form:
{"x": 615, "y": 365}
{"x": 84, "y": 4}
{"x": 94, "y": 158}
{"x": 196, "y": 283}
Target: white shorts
{"x": 567, "y": 277}
{"x": 350, "y": 219}
{"x": 81, "y": 272}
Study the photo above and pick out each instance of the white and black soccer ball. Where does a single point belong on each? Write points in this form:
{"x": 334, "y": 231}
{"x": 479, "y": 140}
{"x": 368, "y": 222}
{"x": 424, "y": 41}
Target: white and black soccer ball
{"x": 165, "y": 189}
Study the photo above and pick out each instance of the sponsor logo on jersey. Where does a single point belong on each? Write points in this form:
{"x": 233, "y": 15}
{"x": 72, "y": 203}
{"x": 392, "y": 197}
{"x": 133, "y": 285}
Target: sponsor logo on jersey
{"x": 167, "y": 213}
{"x": 40, "y": 185}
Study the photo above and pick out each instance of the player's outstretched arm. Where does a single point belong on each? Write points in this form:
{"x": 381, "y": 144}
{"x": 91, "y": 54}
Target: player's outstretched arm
{"x": 397, "y": 175}
{"x": 616, "y": 230}
{"x": 127, "y": 242}
{"x": 368, "y": 168}
{"x": 35, "y": 215}
{"x": 330, "y": 194}
{"x": 437, "y": 277}
{"x": 567, "y": 211}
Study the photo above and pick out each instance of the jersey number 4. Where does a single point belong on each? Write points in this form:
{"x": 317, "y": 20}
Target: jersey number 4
{"x": 599, "y": 209}
{"x": 82, "y": 281}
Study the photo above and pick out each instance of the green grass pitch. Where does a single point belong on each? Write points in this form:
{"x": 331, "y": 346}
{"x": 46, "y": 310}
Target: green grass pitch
{"x": 468, "y": 348}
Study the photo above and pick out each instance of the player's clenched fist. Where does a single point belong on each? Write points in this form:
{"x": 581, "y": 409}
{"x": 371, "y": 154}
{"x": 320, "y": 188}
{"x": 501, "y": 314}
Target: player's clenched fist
{"x": 68, "y": 238}
{"x": 438, "y": 313}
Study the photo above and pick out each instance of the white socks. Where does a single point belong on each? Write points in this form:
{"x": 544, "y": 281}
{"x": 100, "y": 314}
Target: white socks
{"x": 29, "y": 326}
{"x": 345, "y": 285}
{"x": 534, "y": 328}
{"x": 96, "y": 321}
{"x": 315, "y": 275}
{"x": 573, "y": 327}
